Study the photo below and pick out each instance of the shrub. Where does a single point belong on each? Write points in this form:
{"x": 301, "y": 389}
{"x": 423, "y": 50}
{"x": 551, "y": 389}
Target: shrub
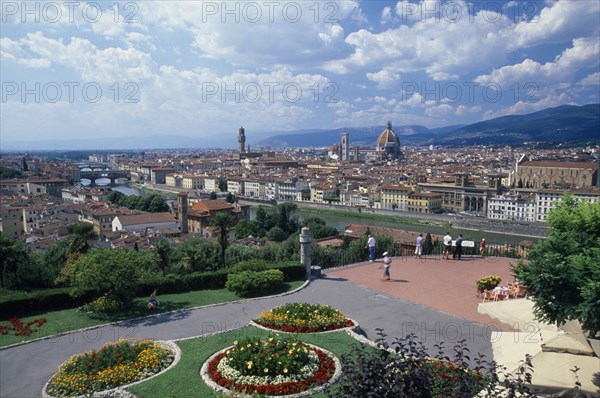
{"x": 248, "y": 265}
{"x": 249, "y": 283}
{"x": 488, "y": 282}
{"x": 407, "y": 371}
{"x": 106, "y": 304}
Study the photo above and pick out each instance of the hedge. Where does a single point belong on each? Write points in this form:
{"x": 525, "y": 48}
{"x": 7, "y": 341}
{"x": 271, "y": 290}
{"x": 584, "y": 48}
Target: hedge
{"x": 39, "y": 301}
{"x": 252, "y": 283}
{"x": 21, "y": 303}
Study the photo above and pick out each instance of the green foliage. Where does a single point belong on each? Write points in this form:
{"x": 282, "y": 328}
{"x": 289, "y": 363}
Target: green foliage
{"x": 236, "y": 253}
{"x": 249, "y": 283}
{"x": 428, "y": 244}
{"x": 81, "y": 234}
{"x": 112, "y": 271}
{"x": 563, "y": 272}
{"x": 246, "y": 228}
{"x": 222, "y": 185}
{"x": 319, "y": 228}
{"x": 276, "y": 234}
{"x": 153, "y": 203}
{"x": 164, "y": 252}
{"x": 488, "y": 282}
{"x": 230, "y": 198}
{"x": 106, "y": 304}
{"x": 12, "y": 257}
{"x": 223, "y": 221}
{"x": 39, "y": 300}
{"x": 8, "y": 173}
{"x": 248, "y": 265}
{"x": 212, "y": 196}
{"x": 285, "y": 221}
{"x": 198, "y": 255}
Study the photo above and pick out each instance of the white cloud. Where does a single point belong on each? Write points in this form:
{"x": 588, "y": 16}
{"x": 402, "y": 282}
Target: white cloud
{"x": 384, "y": 77}
{"x": 590, "y": 80}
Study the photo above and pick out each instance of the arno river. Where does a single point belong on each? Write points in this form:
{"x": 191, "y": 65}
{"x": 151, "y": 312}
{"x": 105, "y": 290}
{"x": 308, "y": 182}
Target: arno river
{"x": 341, "y": 221}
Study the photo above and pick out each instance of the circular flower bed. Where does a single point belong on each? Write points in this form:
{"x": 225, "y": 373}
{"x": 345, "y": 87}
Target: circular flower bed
{"x": 275, "y": 366}
{"x": 114, "y": 365}
{"x": 304, "y": 318}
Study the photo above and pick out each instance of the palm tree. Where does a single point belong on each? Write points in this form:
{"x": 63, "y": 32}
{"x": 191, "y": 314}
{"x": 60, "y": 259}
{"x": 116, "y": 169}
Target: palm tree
{"x": 223, "y": 221}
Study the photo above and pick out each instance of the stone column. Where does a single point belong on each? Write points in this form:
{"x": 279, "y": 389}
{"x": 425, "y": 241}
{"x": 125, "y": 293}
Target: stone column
{"x": 305, "y": 259}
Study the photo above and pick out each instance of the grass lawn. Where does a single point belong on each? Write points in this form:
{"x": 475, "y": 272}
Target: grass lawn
{"x": 184, "y": 380}
{"x": 72, "y": 319}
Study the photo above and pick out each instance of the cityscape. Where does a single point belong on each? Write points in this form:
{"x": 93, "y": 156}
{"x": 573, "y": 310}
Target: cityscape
{"x": 342, "y": 198}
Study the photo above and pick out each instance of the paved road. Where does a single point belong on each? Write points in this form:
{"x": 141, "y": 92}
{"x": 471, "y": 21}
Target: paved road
{"x": 25, "y": 369}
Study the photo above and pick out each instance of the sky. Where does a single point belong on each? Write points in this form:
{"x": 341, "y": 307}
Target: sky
{"x": 84, "y": 70}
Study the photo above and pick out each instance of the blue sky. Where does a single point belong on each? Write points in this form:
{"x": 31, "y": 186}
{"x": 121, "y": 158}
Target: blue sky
{"x": 204, "y": 68}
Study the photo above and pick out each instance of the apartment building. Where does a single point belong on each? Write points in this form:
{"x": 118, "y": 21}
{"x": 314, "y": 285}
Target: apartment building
{"x": 254, "y": 188}
{"x": 191, "y": 181}
{"x": 512, "y": 207}
{"x": 395, "y": 197}
{"x": 425, "y": 202}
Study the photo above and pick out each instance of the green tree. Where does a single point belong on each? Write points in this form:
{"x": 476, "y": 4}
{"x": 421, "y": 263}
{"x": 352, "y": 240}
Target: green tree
{"x": 284, "y": 217}
{"x": 163, "y": 251}
{"x": 229, "y": 198}
{"x": 8, "y": 173}
{"x": 223, "y": 185}
{"x": 112, "y": 272}
{"x": 198, "y": 255}
{"x": 428, "y": 244}
{"x": 81, "y": 234}
{"x": 12, "y": 257}
{"x": 319, "y": 228}
{"x": 212, "y": 196}
{"x": 563, "y": 271}
{"x": 276, "y": 234}
{"x": 157, "y": 205}
{"x": 261, "y": 217}
{"x": 245, "y": 228}
{"x": 223, "y": 221}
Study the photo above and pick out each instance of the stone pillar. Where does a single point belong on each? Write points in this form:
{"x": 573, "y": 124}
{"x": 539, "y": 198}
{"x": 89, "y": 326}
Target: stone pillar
{"x": 182, "y": 211}
{"x": 305, "y": 259}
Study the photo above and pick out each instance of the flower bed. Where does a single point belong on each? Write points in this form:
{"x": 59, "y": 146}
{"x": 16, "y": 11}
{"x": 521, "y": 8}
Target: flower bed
{"x": 22, "y": 329}
{"x": 304, "y": 318}
{"x": 114, "y": 365}
{"x": 276, "y": 366}
{"x": 449, "y": 379}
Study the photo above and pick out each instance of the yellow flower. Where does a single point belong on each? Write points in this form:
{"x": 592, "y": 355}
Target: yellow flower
{"x": 249, "y": 364}
{"x": 266, "y": 370}
{"x": 285, "y": 370}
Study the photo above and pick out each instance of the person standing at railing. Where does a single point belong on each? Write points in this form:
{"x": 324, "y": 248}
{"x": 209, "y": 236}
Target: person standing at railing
{"x": 482, "y": 247}
{"x": 371, "y": 245}
{"x": 458, "y": 250}
{"x": 447, "y": 246}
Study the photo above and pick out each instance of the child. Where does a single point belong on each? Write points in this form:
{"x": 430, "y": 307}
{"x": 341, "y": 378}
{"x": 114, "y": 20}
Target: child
{"x": 387, "y": 261}
{"x": 153, "y": 301}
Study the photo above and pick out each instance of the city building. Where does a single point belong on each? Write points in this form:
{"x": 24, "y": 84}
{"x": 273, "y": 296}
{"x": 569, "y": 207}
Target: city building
{"x": 553, "y": 174}
{"x": 424, "y": 202}
{"x": 512, "y": 207}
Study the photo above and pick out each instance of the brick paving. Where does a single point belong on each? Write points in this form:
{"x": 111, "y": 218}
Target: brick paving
{"x": 444, "y": 285}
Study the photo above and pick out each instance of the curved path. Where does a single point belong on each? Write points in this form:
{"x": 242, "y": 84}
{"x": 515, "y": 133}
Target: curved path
{"x": 26, "y": 368}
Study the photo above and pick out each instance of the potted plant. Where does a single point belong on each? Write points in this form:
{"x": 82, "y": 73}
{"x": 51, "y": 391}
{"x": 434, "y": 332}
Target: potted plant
{"x": 488, "y": 283}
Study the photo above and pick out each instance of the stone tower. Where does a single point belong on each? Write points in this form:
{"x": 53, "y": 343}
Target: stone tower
{"x": 345, "y": 147}
{"x": 242, "y": 140}
{"x": 182, "y": 211}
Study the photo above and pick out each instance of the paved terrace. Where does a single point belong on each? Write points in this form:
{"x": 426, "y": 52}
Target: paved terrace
{"x": 431, "y": 297}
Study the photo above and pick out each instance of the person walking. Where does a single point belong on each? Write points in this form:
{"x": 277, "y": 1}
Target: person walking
{"x": 458, "y": 251}
{"x": 482, "y": 247}
{"x": 447, "y": 246}
{"x": 419, "y": 248}
{"x": 387, "y": 261}
{"x": 371, "y": 245}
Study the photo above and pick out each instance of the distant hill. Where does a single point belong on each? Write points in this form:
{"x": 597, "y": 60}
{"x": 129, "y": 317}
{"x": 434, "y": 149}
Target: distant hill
{"x": 364, "y": 136}
{"x": 567, "y": 123}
